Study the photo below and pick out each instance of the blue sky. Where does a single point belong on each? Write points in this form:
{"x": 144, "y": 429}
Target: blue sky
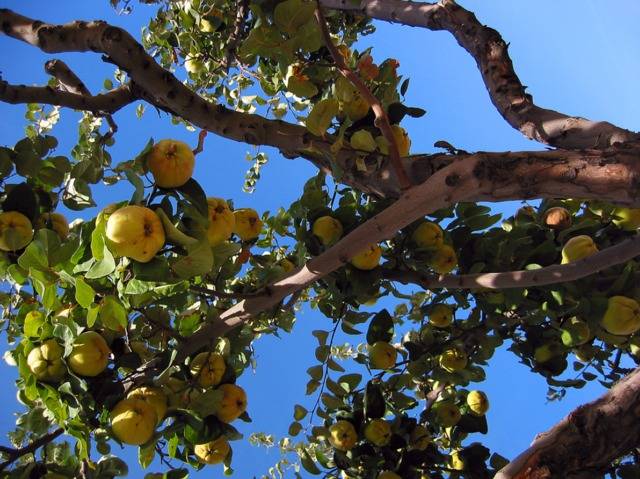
{"x": 576, "y": 56}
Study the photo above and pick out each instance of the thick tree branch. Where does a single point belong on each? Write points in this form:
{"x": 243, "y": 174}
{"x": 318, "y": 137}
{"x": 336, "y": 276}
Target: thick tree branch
{"x": 109, "y": 102}
{"x": 471, "y": 178}
{"x": 614, "y": 255}
{"x": 15, "y": 454}
{"x": 381, "y": 118}
{"x": 506, "y": 90}
{"x": 585, "y": 442}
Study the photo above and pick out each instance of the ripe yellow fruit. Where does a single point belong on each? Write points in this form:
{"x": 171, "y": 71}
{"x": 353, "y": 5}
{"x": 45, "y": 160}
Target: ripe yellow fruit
{"x": 441, "y": 316}
{"x": 444, "y": 260}
{"x": 298, "y": 83}
{"x": 557, "y": 218}
{"x": 367, "y": 259}
{"x": 363, "y": 140}
{"x": 193, "y": 65}
{"x": 135, "y": 232}
{"x": 248, "y": 224}
{"x": 154, "y": 396}
{"x": 208, "y": 368}
{"x": 622, "y": 316}
{"x": 577, "y": 248}
{"x": 382, "y": 355}
{"x": 453, "y": 359}
{"x": 221, "y": 221}
{"x": 447, "y": 413}
{"x": 419, "y": 438}
{"x": 133, "y": 421}
{"x": 45, "y": 361}
{"x": 232, "y": 404}
{"x": 90, "y": 354}
{"x": 16, "y": 231}
{"x": 428, "y": 235}
{"x": 627, "y": 218}
{"x": 171, "y": 163}
{"x": 378, "y": 432}
{"x": 457, "y": 462}
{"x": 55, "y": 221}
{"x": 213, "y": 452}
{"x": 342, "y": 435}
{"x": 478, "y": 402}
{"x": 402, "y": 141}
{"x": 327, "y": 229}
{"x": 388, "y": 475}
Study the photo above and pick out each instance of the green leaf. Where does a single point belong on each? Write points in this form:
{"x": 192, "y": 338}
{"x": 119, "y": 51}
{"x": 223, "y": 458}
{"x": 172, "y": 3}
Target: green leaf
{"x": 112, "y": 313}
{"x": 134, "y": 179}
{"x": 380, "y": 328}
{"x": 84, "y": 293}
{"x": 299, "y": 412}
{"x": 308, "y": 463}
{"x": 33, "y": 321}
{"x": 146, "y": 454}
{"x": 198, "y": 261}
{"x": 321, "y": 115}
{"x": 295, "y": 428}
{"x": 102, "y": 267}
{"x": 374, "y": 406}
{"x": 290, "y": 15}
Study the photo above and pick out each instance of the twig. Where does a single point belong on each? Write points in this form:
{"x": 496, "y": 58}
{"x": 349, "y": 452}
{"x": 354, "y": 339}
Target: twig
{"x": 201, "y": 136}
{"x": 381, "y": 118}
{"x": 242, "y": 10}
{"x": 432, "y": 397}
{"x": 15, "y": 454}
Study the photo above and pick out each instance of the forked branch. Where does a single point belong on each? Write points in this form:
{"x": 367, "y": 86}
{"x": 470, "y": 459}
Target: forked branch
{"x": 14, "y": 454}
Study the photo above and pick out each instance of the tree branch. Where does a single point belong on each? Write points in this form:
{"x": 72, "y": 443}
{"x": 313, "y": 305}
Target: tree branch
{"x": 381, "y": 118}
{"x": 585, "y": 442}
{"x": 559, "y": 273}
{"x": 15, "y": 454}
{"x": 68, "y": 80}
{"x": 109, "y": 102}
{"x": 489, "y": 51}
{"x": 473, "y": 178}
{"x": 242, "y": 11}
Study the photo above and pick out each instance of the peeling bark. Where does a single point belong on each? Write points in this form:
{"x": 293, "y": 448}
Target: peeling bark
{"x": 490, "y": 52}
{"x": 584, "y": 444}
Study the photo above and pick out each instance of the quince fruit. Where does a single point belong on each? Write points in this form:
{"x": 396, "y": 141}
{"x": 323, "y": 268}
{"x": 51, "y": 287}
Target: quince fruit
{"x": 45, "y": 361}
{"x": 577, "y": 248}
{"x": 248, "y": 224}
{"x": 367, "y": 259}
{"x": 133, "y": 421}
{"x": 342, "y": 435}
{"x": 171, "y": 163}
{"x": 478, "y": 402}
{"x": 232, "y": 404}
{"x": 193, "y": 65}
{"x": 575, "y": 333}
{"x": 90, "y": 354}
{"x": 557, "y": 218}
{"x": 367, "y": 68}
{"x": 428, "y": 235}
{"x": 402, "y": 141}
{"x": 453, "y": 359}
{"x": 357, "y": 108}
{"x": 382, "y": 355}
{"x": 213, "y": 452}
{"x": 388, "y": 475}
{"x": 208, "y": 368}
{"x": 154, "y": 396}
{"x": 135, "y": 232}
{"x": 378, "y": 432}
{"x": 444, "y": 260}
{"x": 363, "y": 140}
{"x": 622, "y": 316}
{"x": 327, "y": 229}
{"x": 16, "y": 231}
{"x": 441, "y": 316}
{"x": 447, "y": 413}
{"x": 222, "y": 222}
{"x": 419, "y": 438}
{"x": 627, "y": 218}
{"x": 55, "y": 221}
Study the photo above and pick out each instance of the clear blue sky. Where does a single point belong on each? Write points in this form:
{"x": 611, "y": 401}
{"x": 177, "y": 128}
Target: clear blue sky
{"x": 576, "y": 56}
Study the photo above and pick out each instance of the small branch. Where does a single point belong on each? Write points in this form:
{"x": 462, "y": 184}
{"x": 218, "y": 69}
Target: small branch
{"x": 201, "y": 136}
{"x": 432, "y": 397}
{"x": 242, "y": 11}
{"x": 15, "y": 454}
{"x": 382, "y": 120}
{"x": 558, "y": 273}
{"x": 109, "y": 102}
{"x": 68, "y": 80}
{"x": 490, "y": 52}
{"x": 585, "y": 442}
